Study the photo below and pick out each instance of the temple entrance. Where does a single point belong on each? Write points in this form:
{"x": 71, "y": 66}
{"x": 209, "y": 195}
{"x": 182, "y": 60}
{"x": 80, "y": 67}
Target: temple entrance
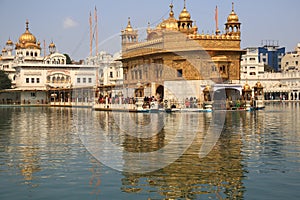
{"x": 139, "y": 92}
{"x": 160, "y": 92}
{"x": 224, "y": 98}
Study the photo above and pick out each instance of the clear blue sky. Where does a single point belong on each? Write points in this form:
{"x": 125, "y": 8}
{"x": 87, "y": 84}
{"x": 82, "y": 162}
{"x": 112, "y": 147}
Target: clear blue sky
{"x": 66, "y": 22}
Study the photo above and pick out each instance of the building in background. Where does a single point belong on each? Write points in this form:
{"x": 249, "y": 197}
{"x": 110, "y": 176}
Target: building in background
{"x": 291, "y": 60}
{"x": 110, "y": 73}
{"x": 251, "y": 67}
{"x": 271, "y": 54}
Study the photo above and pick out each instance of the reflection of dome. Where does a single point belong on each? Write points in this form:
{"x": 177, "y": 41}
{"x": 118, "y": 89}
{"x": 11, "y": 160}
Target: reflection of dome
{"x": 232, "y": 18}
{"x": 27, "y": 37}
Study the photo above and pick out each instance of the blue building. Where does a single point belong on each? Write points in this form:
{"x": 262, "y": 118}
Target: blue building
{"x": 271, "y": 55}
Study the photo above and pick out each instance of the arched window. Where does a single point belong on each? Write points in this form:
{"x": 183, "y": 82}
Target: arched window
{"x": 235, "y": 29}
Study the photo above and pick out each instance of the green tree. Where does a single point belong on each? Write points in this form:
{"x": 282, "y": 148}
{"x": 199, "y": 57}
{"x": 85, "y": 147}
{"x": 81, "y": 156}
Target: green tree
{"x": 68, "y": 61}
{"x": 5, "y": 82}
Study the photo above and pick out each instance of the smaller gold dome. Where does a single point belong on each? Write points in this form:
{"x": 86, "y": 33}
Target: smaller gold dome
{"x": 129, "y": 27}
{"x": 258, "y": 85}
{"x": 51, "y": 45}
{"x": 195, "y": 27}
{"x": 9, "y": 42}
{"x": 206, "y": 89}
{"x": 170, "y": 23}
{"x": 184, "y": 15}
{"x": 4, "y": 50}
{"x": 247, "y": 87}
{"x": 232, "y": 18}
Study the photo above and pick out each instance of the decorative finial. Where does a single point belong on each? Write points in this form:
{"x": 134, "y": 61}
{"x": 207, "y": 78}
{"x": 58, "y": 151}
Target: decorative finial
{"x": 129, "y": 24}
{"x": 27, "y": 28}
{"x": 232, "y": 6}
{"x": 171, "y": 6}
{"x": 184, "y": 3}
{"x": 171, "y": 10}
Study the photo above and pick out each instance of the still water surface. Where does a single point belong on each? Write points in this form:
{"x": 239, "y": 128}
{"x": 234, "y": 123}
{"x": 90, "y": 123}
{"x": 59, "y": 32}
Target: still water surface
{"x": 46, "y": 153}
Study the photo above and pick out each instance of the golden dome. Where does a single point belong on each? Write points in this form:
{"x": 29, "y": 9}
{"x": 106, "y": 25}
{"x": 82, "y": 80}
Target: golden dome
{"x": 51, "y": 45}
{"x": 247, "y": 87}
{"x": 27, "y": 37}
{"x": 170, "y": 23}
{"x": 195, "y": 27}
{"x": 4, "y": 50}
{"x": 184, "y": 15}
{"x": 206, "y": 89}
{"x": 129, "y": 28}
{"x": 9, "y": 42}
{"x": 232, "y": 18}
{"x": 258, "y": 85}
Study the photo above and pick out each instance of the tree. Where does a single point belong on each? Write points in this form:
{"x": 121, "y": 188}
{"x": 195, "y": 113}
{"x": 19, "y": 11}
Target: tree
{"x": 5, "y": 82}
{"x": 68, "y": 61}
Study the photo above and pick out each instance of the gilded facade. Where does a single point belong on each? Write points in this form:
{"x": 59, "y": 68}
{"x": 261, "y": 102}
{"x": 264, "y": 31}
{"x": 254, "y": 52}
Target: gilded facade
{"x": 174, "y": 50}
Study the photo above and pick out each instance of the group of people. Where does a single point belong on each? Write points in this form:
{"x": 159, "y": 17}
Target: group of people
{"x": 116, "y": 100}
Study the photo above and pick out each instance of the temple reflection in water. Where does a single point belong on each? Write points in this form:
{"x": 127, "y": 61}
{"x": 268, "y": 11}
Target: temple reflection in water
{"x": 42, "y": 154}
{"x": 218, "y": 175}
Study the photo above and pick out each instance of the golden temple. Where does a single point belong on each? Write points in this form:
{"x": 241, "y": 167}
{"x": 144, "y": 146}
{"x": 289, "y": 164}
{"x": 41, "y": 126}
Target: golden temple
{"x": 174, "y": 50}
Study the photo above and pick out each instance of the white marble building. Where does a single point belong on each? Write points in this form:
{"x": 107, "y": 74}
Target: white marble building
{"x": 110, "y": 72}
{"x": 251, "y": 67}
{"x": 40, "y": 79}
